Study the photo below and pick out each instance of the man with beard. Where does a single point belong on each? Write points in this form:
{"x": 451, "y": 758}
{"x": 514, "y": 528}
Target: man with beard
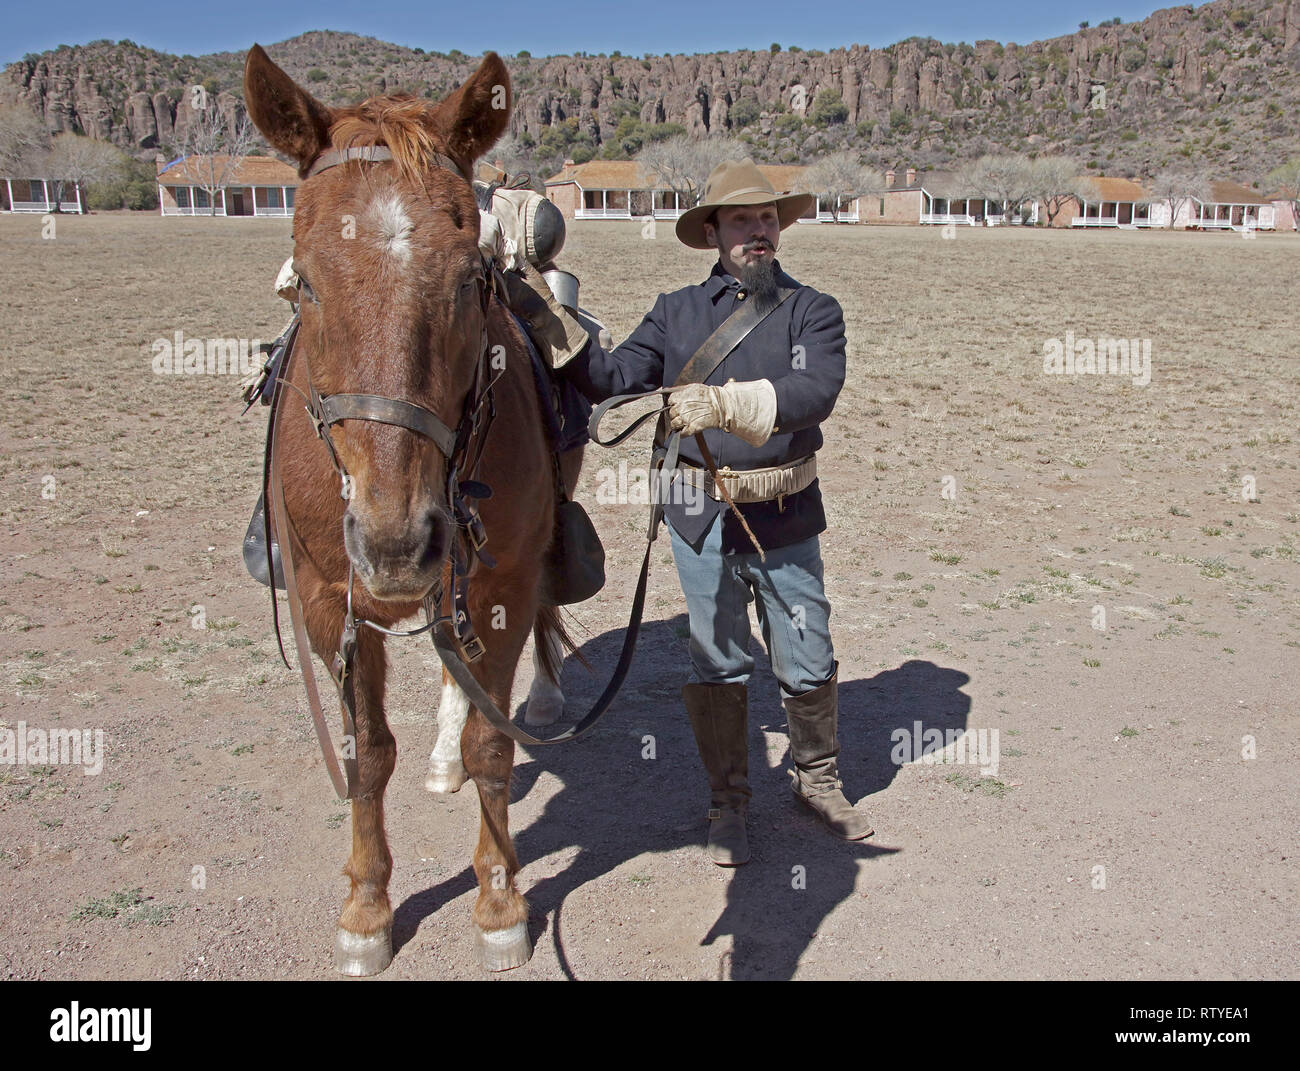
{"x": 759, "y": 412}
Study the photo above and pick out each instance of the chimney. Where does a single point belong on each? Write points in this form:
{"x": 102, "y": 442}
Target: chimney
{"x": 159, "y": 162}
{"x": 889, "y": 178}
{"x": 568, "y": 163}
{"x": 911, "y": 176}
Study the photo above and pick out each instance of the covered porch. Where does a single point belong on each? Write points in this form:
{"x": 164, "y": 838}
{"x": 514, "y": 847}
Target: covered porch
{"x": 622, "y": 204}
{"x": 847, "y": 213}
{"x": 38, "y": 195}
{"x": 1229, "y": 216}
{"x": 1127, "y": 214}
{"x": 250, "y": 201}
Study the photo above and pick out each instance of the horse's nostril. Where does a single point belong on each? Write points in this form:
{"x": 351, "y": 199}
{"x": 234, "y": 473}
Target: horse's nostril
{"x": 435, "y": 547}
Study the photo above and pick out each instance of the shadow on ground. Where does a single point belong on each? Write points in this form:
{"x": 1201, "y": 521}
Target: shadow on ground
{"x": 799, "y": 873}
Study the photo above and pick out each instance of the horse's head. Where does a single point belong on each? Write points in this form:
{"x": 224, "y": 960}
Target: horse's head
{"x": 394, "y": 298}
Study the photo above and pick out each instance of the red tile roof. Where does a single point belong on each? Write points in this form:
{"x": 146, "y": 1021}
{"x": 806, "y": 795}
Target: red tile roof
{"x": 251, "y": 171}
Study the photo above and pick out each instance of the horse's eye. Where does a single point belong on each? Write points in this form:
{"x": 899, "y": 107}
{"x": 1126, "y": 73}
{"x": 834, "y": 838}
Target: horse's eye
{"x": 304, "y": 288}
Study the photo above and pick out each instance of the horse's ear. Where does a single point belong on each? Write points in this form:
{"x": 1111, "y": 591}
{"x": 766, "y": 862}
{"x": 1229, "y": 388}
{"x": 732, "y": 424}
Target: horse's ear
{"x": 288, "y": 116}
{"x": 477, "y": 114}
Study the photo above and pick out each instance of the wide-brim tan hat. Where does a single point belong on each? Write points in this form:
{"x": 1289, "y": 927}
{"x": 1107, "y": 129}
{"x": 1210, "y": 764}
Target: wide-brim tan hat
{"x": 738, "y": 182}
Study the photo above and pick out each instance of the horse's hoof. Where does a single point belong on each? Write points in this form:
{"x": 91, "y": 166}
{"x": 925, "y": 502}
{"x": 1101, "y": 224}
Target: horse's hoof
{"x": 445, "y": 776}
{"x": 544, "y": 709}
{"x": 359, "y": 956}
{"x": 503, "y": 950}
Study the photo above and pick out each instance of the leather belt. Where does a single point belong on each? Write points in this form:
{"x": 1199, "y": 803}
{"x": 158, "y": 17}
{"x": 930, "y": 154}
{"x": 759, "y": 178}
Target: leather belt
{"x": 753, "y": 485}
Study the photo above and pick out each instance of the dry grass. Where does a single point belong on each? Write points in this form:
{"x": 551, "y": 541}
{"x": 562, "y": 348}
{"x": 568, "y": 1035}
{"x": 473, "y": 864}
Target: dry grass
{"x": 1068, "y": 495}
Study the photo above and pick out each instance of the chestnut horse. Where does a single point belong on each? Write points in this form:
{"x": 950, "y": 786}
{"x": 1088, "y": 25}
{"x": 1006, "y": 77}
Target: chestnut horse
{"x": 394, "y": 303}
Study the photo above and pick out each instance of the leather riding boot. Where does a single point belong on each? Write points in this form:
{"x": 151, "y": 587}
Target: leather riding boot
{"x": 814, "y": 748}
{"x": 720, "y": 717}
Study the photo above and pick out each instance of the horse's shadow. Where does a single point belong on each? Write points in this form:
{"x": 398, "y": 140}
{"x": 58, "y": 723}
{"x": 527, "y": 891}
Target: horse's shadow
{"x": 799, "y": 872}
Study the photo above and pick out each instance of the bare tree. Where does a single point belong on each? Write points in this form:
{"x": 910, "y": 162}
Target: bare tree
{"x": 214, "y": 148}
{"x": 23, "y": 142}
{"x": 839, "y": 177}
{"x": 1177, "y": 187}
{"x": 1287, "y": 179}
{"x": 1055, "y": 181}
{"x": 510, "y": 155}
{"x": 79, "y": 160}
{"x": 1007, "y": 180}
{"x": 683, "y": 163}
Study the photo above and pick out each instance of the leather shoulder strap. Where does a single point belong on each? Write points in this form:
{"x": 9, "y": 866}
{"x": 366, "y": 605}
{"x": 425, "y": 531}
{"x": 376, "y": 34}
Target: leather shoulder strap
{"x": 728, "y": 335}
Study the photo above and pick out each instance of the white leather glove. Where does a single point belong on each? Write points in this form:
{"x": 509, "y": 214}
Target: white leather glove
{"x": 747, "y": 410}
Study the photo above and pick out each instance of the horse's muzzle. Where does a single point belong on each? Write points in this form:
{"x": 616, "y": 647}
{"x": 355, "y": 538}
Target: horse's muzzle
{"x": 398, "y": 563}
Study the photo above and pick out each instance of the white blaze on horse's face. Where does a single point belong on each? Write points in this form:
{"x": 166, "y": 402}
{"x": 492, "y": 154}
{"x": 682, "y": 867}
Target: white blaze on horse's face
{"x": 393, "y": 226}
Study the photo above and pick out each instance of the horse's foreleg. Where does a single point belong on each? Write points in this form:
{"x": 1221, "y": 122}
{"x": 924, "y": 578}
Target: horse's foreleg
{"x": 545, "y": 698}
{"x": 364, "y": 943}
{"x": 500, "y": 913}
{"x": 446, "y": 768}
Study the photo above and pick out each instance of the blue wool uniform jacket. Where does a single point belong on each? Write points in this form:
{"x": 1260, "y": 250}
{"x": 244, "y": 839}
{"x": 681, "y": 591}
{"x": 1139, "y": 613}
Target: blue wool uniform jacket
{"x": 799, "y": 347}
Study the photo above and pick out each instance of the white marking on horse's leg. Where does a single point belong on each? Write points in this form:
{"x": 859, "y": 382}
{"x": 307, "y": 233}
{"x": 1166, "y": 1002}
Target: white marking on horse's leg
{"x": 545, "y": 699}
{"x": 446, "y": 770}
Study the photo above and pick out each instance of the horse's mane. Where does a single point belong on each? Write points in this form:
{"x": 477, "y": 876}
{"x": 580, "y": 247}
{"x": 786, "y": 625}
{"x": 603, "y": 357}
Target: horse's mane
{"x": 399, "y": 121}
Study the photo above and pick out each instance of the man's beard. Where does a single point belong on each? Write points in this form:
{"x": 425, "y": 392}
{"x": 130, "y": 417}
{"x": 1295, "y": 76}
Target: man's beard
{"x": 759, "y": 278}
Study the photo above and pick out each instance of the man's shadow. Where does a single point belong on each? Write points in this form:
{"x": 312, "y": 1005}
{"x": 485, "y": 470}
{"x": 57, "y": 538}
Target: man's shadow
{"x": 655, "y": 797}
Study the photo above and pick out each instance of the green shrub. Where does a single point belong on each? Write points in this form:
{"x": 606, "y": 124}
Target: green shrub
{"x": 828, "y": 108}
{"x": 744, "y": 111}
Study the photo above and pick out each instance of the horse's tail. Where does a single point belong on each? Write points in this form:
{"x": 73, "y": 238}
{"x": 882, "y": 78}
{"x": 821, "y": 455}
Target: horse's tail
{"x": 546, "y": 626}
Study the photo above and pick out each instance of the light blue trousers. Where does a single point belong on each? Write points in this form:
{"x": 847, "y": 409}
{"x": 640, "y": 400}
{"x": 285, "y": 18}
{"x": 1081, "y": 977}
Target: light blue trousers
{"x": 793, "y": 611}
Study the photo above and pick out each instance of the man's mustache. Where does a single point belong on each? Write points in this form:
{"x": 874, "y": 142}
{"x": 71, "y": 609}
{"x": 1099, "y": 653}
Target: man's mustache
{"x": 761, "y": 243}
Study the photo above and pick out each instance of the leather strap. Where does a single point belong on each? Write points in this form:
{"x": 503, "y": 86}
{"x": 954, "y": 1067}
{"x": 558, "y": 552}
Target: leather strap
{"x": 344, "y": 784}
{"x": 461, "y": 673}
{"x": 726, "y": 337}
{"x": 333, "y": 157}
{"x": 336, "y": 407}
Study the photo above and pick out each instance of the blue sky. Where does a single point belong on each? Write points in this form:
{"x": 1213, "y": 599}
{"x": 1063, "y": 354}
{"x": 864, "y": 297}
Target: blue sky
{"x": 656, "y": 26}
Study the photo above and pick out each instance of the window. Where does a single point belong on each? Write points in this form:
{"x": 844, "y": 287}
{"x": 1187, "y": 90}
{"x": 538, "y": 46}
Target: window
{"x": 201, "y": 199}
{"x": 272, "y": 197}
{"x": 882, "y": 206}
{"x": 182, "y": 195}
{"x": 37, "y": 188}
{"x": 288, "y": 196}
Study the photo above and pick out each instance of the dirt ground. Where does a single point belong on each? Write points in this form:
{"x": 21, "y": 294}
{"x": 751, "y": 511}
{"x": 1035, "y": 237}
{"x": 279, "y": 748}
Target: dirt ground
{"x": 1076, "y": 563}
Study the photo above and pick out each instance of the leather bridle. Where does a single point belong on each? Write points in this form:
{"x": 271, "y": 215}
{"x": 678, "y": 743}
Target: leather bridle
{"x": 462, "y": 448}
